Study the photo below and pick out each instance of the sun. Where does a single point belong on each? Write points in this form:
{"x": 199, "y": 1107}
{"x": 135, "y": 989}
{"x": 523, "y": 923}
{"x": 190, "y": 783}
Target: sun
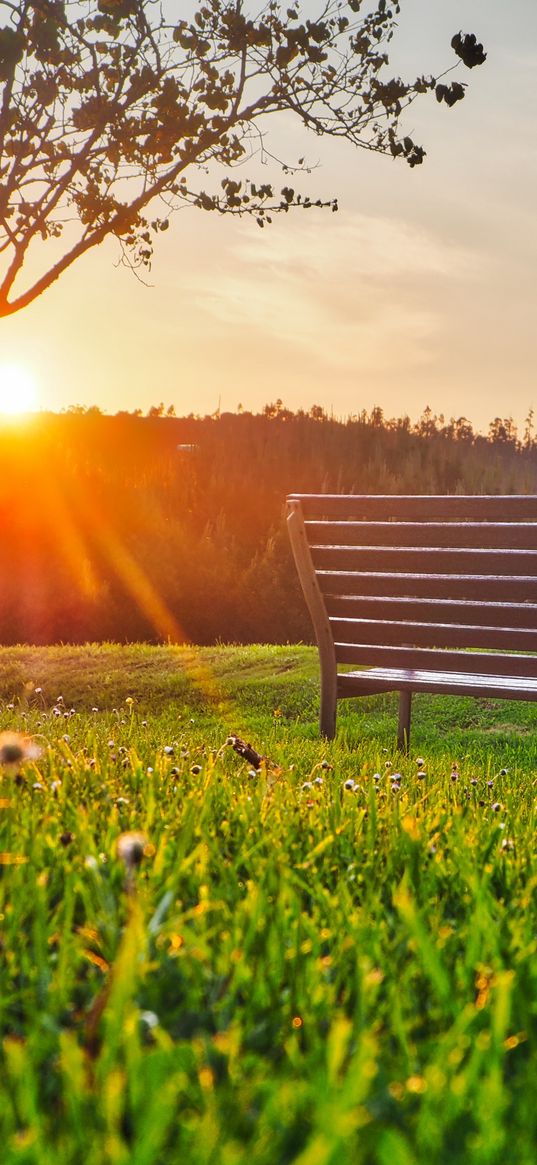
{"x": 18, "y": 391}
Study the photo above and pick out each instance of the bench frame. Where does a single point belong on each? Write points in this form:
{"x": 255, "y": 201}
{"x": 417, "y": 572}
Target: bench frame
{"x": 424, "y": 593}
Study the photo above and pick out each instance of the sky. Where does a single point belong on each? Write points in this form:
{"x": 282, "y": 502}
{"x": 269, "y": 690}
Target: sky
{"x": 420, "y": 292}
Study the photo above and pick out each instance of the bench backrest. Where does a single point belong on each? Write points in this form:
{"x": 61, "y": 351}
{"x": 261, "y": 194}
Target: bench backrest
{"x": 392, "y": 579}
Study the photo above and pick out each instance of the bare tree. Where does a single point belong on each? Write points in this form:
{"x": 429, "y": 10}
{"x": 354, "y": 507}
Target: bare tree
{"x": 113, "y": 114}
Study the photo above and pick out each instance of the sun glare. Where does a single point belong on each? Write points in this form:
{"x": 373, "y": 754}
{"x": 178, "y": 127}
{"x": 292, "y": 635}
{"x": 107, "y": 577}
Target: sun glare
{"x": 18, "y": 391}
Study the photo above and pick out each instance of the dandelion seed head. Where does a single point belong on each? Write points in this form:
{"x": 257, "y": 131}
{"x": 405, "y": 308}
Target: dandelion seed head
{"x": 16, "y": 748}
{"x": 150, "y": 1018}
{"x": 131, "y": 847}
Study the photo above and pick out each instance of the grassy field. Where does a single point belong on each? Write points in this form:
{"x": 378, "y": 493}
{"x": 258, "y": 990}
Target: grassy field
{"x": 327, "y": 961}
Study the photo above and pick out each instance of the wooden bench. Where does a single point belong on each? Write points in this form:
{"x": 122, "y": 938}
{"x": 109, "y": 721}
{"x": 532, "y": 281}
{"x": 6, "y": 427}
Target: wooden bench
{"x": 419, "y": 594}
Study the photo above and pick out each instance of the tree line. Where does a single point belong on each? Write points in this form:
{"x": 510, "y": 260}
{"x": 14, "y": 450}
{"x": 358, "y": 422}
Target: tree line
{"x": 131, "y": 528}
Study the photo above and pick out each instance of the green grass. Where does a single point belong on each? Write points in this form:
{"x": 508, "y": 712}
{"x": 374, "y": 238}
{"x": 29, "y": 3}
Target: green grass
{"x": 310, "y": 975}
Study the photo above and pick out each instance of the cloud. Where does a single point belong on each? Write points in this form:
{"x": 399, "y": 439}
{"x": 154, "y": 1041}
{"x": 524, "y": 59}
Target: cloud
{"x": 350, "y": 294}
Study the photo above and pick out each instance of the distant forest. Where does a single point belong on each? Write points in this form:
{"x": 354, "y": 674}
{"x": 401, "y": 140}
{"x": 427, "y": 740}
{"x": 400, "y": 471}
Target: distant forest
{"x": 159, "y": 527}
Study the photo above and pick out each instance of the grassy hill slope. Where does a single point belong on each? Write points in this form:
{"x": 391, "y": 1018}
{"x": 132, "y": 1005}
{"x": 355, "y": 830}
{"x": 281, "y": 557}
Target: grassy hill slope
{"x": 265, "y": 689}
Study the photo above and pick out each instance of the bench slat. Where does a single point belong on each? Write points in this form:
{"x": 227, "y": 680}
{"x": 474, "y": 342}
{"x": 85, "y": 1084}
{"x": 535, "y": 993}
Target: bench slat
{"x": 423, "y": 659}
{"x": 411, "y": 634}
{"x": 438, "y": 610}
{"x": 522, "y": 588}
{"x": 399, "y": 679}
{"x": 495, "y": 507}
{"x": 382, "y": 558}
{"x": 472, "y": 535}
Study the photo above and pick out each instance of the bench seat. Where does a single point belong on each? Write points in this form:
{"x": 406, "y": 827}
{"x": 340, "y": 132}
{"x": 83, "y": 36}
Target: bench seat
{"x": 373, "y": 680}
{"x": 419, "y": 593}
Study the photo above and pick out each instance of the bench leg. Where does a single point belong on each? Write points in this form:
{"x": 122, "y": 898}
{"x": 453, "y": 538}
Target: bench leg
{"x": 328, "y": 713}
{"x": 403, "y": 727}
